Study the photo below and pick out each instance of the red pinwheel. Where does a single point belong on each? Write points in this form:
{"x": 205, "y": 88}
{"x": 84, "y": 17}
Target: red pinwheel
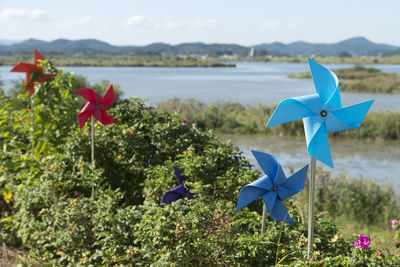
{"x": 31, "y": 69}
{"x": 96, "y": 106}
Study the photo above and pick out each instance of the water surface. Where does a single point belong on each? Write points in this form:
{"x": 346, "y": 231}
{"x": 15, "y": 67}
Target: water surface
{"x": 379, "y": 161}
{"x": 248, "y": 83}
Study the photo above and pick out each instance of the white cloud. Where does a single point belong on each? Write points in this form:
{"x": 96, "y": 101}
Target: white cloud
{"x": 23, "y": 14}
{"x": 76, "y": 22}
{"x": 136, "y": 20}
{"x": 168, "y": 22}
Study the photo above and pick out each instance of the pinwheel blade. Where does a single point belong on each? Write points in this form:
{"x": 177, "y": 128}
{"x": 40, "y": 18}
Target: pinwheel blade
{"x": 170, "y": 197}
{"x": 88, "y": 94}
{"x": 84, "y": 116}
{"x": 247, "y": 195}
{"x": 280, "y": 177}
{"x": 294, "y": 184}
{"x": 326, "y": 84}
{"x": 279, "y": 213}
{"x": 23, "y": 67}
{"x": 292, "y": 109}
{"x": 317, "y": 140}
{"x": 178, "y": 174}
{"x": 103, "y": 117}
{"x": 351, "y": 116}
{"x": 268, "y": 163}
{"x": 270, "y": 199}
{"x": 37, "y": 56}
{"x": 108, "y": 97}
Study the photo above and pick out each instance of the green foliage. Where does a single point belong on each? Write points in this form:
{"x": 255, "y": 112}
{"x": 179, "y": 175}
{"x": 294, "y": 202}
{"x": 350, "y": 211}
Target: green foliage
{"x": 355, "y": 197}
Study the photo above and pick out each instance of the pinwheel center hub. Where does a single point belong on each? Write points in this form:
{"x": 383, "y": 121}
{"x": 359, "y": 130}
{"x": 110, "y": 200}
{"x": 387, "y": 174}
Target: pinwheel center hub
{"x": 98, "y": 107}
{"x": 323, "y": 113}
{"x": 275, "y": 188}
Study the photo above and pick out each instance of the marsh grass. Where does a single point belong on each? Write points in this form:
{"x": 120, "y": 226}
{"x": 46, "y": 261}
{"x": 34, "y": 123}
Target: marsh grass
{"x": 362, "y": 79}
{"x": 235, "y": 118}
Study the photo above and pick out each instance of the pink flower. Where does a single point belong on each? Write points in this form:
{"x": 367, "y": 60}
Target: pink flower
{"x": 363, "y": 242}
{"x": 394, "y": 226}
{"x": 185, "y": 121}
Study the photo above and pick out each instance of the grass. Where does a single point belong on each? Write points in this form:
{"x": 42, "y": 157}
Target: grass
{"x": 362, "y": 79}
{"x": 123, "y": 61}
{"x": 235, "y": 118}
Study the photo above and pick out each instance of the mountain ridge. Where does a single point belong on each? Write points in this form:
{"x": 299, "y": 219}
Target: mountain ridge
{"x": 357, "y": 46}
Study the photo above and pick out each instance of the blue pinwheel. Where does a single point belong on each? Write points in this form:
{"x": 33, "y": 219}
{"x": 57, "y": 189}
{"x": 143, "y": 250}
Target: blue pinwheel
{"x": 321, "y": 113}
{"x": 179, "y": 192}
{"x": 273, "y": 187}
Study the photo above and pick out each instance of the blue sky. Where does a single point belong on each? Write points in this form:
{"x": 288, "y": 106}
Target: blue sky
{"x": 139, "y": 22}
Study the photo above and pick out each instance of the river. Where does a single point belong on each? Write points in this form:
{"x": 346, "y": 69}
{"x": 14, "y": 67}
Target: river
{"x": 248, "y": 83}
{"x": 253, "y": 83}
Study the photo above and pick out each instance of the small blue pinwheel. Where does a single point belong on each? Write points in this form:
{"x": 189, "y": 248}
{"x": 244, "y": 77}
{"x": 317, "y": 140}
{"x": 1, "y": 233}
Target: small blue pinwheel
{"x": 179, "y": 192}
{"x": 273, "y": 187}
{"x": 321, "y": 113}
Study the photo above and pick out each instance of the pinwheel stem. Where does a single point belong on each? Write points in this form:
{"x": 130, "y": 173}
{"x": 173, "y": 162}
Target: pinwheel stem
{"x": 92, "y": 135}
{"x": 32, "y": 123}
{"x": 311, "y": 194}
{"x": 92, "y": 151}
{"x": 264, "y": 215}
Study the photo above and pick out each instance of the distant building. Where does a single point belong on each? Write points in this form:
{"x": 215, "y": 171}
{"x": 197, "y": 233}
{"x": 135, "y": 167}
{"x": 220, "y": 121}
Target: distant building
{"x": 251, "y": 52}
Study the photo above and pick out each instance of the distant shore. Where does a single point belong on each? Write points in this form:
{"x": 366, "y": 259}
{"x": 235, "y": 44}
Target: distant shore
{"x": 325, "y": 60}
{"x": 124, "y": 61}
{"x": 362, "y": 79}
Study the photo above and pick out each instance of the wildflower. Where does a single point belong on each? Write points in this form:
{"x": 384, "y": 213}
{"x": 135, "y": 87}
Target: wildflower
{"x": 394, "y": 226}
{"x": 363, "y": 242}
{"x": 185, "y": 121}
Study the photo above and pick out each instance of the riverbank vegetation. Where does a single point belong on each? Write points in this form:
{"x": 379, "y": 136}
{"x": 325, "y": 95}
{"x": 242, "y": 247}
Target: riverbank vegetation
{"x": 59, "y": 209}
{"x": 326, "y": 60}
{"x": 362, "y": 79}
{"x": 123, "y": 61}
{"x": 228, "y": 117}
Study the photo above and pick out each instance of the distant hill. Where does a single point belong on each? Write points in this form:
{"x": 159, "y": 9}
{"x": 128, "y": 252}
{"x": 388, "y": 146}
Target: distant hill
{"x": 8, "y": 42}
{"x": 358, "y": 46}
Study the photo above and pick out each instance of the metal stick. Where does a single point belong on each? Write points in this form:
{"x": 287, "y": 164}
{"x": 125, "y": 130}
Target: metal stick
{"x": 92, "y": 152}
{"x": 32, "y": 123}
{"x": 311, "y": 194}
{"x": 92, "y": 135}
{"x": 264, "y": 215}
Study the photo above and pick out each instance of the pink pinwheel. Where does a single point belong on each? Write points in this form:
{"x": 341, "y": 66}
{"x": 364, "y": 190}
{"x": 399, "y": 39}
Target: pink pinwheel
{"x": 96, "y": 106}
{"x": 31, "y": 69}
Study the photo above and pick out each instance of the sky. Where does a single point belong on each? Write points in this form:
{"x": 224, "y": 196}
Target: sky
{"x": 141, "y": 22}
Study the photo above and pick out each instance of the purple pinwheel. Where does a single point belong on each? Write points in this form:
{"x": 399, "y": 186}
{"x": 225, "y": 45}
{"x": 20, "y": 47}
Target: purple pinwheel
{"x": 179, "y": 192}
